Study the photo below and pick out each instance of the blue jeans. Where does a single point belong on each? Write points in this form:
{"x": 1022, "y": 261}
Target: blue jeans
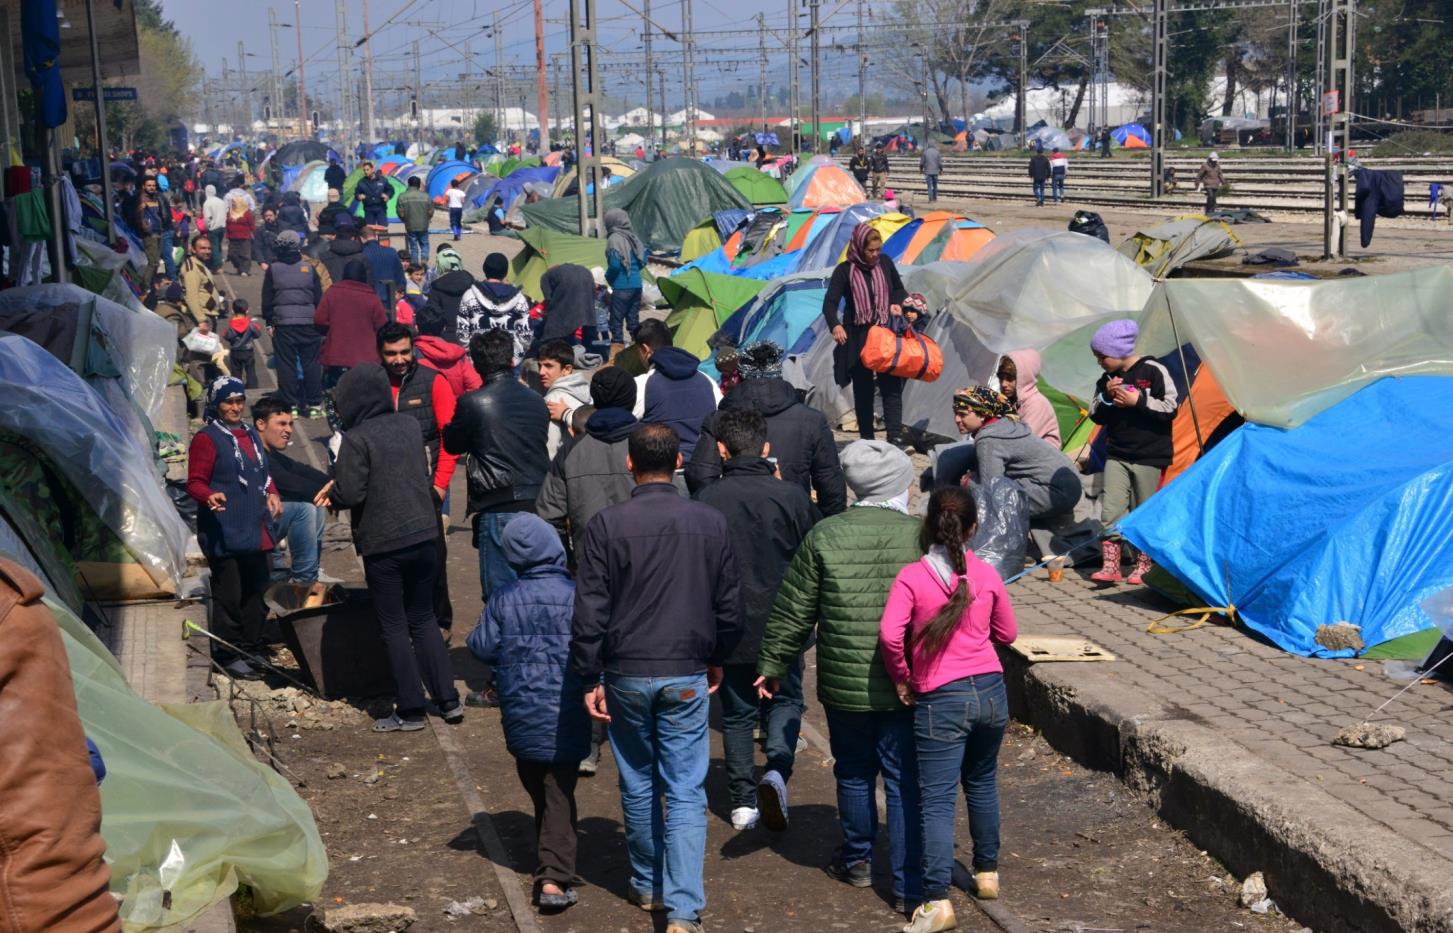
{"x": 958, "y": 728}
{"x": 456, "y": 221}
{"x": 659, "y": 739}
{"x": 625, "y": 308}
{"x": 739, "y": 714}
{"x": 302, "y": 524}
{"x": 494, "y": 570}
{"x": 1057, "y": 187}
{"x": 865, "y": 745}
{"x": 932, "y": 186}
{"x": 375, "y": 215}
{"x": 418, "y": 244}
{"x": 168, "y": 261}
{"x": 1038, "y": 192}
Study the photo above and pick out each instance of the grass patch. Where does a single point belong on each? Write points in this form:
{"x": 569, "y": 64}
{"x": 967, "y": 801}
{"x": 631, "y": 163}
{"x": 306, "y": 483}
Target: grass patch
{"x": 1419, "y": 142}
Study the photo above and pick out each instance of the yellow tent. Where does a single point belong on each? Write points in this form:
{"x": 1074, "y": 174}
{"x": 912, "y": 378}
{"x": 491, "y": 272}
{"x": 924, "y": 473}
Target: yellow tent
{"x": 565, "y": 183}
{"x": 886, "y": 225}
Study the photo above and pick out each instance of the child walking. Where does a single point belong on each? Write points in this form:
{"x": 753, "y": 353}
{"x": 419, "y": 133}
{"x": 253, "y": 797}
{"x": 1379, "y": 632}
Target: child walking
{"x": 945, "y": 613}
{"x": 241, "y": 338}
{"x": 1135, "y": 401}
{"x": 524, "y": 635}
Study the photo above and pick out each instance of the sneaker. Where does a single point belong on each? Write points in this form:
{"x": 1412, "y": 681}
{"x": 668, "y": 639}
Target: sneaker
{"x": 241, "y": 670}
{"x": 932, "y": 917}
{"x": 858, "y": 874}
{"x": 772, "y": 801}
{"x": 590, "y": 763}
{"x": 484, "y": 699}
{"x": 986, "y": 885}
{"x": 744, "y": 818}
{"x": 396, "y": 723}
{"x": 684, "y": 926}
{"x": 647, "y": 902}
{"x": 316, "y": 413}
{"x": 327, "y": 578}
{"x": 452, "y": 713}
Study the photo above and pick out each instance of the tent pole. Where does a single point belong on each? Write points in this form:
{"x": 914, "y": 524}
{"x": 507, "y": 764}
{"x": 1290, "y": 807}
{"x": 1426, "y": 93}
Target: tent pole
{"x": 1181, "y": 349}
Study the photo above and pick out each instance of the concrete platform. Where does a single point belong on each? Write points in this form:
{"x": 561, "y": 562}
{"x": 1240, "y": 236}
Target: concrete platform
{"x": 1231, "y": 737}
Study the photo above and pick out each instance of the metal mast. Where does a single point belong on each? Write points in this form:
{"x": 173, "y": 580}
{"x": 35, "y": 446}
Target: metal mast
{"x": 368, "y": 77}
{"x": 762, "y": 69}
{"x": 303, "y": 127}
{"x": 244, "y": 99}
{"x": 863, "y": 77}
{"x": 1161, "y": 40}
{"x": 586, "y": 82}
{"x": 816, "y": 65}
{"x": 688, "y": 64}
{"x": 345, "y": 106}
{"x": 1341, "y": 46}
{"x": 499, "y": 84}
{"x": 794, "y": 102}
{"x": 650, "y": 105}
{"x": 275, "y": 89}
{"x": 1291, "y": 102}
{"x": 542, "y": 105}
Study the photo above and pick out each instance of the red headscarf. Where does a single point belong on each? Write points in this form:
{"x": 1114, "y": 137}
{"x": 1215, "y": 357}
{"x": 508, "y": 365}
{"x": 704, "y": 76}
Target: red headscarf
{"x": 867, "y": 281}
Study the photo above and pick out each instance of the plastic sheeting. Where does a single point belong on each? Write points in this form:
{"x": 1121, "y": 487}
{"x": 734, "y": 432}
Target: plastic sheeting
{"x": 44, "y": 402}
{"x": 1003, "y": 533}
{"x": 185, "y": 807}
{"x": 1284, "y": 351}
{"x": 1165, "y": 247}
{"x": 1347, "y": 518}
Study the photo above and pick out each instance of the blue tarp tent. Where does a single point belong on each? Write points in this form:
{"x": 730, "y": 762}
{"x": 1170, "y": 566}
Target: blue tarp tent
{"x": 1131, "y": 135}
{"x": 510, "y": 187}
{"x": 783, "y": 313}
{"x": 1345, "y": 518}
{"x": 442, "y": 174}
{"x": 829, "y": 241}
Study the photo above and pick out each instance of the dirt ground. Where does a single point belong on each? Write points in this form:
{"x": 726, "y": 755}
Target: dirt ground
{"x": 1080, "y": 852}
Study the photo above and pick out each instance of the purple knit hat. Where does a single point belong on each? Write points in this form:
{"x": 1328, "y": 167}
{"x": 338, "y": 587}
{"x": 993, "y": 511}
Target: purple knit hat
{"x": 1116, "y": 339}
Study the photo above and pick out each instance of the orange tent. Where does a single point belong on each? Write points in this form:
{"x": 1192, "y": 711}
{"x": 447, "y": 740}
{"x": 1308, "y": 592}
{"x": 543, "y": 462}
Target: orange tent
{"x": 937, "y": 236}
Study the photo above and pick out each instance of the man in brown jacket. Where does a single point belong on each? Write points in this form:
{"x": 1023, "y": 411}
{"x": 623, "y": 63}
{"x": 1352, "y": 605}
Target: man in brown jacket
{"x": 51, "y": 873}
{"x": 1211, "y": 178}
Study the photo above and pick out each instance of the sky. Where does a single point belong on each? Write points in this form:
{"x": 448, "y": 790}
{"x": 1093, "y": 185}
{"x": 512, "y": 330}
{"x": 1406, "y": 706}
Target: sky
{"x": 214, "y": 28}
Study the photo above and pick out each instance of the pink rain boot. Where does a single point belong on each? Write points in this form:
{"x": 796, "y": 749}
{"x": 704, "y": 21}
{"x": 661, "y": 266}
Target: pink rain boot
{"x": 1109, "y": 571}
{"x": 1142, "y": 567}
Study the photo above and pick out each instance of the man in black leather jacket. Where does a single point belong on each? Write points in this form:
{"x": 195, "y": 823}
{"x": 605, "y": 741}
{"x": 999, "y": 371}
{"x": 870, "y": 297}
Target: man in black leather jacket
{"x": 503, "y": 428}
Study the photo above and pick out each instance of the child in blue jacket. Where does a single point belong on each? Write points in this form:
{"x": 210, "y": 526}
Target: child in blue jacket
{"x": 524, "y": 635}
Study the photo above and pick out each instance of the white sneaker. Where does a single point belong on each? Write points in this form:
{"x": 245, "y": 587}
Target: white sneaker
{"x": 327, "y": 577}
{"x": 772, "y": 801}
{"x": 744, "y": 818}
{"x": 932, "y": 917}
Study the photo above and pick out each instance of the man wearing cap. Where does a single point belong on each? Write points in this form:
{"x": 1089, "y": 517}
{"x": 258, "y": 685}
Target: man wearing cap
{"x": 802, "y": 441}
{"x": 838, "y": 584}
{"x": 494, "y": 304}
{"x": 1210, "y": 178}
{"x": 291, "y": 290}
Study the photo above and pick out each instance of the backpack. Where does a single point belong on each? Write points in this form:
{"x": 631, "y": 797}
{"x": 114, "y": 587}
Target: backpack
{"x": 189, "y": 186}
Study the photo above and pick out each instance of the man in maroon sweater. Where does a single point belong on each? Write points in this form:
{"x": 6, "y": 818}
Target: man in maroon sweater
{"x": 349, "y": 315}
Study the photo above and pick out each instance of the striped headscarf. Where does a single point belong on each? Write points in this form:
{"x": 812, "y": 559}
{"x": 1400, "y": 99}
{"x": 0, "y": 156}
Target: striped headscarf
{"x": 984, "y": 402}
{"x": 868, "y": 282}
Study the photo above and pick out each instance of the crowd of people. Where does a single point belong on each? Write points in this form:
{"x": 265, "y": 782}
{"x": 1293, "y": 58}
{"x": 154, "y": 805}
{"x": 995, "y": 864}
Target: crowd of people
{"x": 645, "y": 541}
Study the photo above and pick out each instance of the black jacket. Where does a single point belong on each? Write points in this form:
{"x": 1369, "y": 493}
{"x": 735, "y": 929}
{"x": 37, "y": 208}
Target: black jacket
{"x": 767, "y": 519}
{"x": 801, "y": 439}
{"x": 442, "y": 302}
{"x": 264, "y": 242}
{"x": 657, "y": 592}
{"x": 1141, "y": 434}
{"x": 1039, "y": 167}
{"x": 503, "y": 426}
{"x": 381, "y": 472}
{"x": 338, "y": 254}
{"x": 295, "y": 482}
{"x": 334, "y": 176}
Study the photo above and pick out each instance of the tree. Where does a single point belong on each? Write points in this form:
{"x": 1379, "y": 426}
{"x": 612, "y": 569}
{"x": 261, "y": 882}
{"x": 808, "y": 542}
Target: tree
{"x": 166, "y": 88}
{"x": 485, "y": 130}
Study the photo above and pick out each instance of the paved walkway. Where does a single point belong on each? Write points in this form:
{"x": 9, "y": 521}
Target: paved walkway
{"x": 1266, "y": 710}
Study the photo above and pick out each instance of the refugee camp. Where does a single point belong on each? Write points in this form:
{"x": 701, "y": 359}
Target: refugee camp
{"x": 545, "y": 467}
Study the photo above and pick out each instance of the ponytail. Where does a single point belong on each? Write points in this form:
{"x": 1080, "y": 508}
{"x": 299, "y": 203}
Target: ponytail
{"x": 951, "y": 522}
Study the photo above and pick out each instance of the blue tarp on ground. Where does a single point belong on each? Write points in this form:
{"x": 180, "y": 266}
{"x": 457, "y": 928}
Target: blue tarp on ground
{"x": 1346, "y": 518}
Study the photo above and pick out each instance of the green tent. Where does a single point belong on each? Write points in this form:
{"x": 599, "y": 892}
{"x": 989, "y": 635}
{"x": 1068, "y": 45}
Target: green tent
{"x": 700, "y": 240}
{"x": 701, "y": 302}
{"x": 756, "y": 186}
{"x": 546, "y": 248}
{"x": 665, "y": 200}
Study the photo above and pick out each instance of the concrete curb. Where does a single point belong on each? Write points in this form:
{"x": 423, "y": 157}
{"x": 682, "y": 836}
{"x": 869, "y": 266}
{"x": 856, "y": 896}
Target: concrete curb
{"x": 1326, "y": 864}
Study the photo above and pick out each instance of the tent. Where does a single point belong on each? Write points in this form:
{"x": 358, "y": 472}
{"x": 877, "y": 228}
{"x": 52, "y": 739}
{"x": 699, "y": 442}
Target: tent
{"x": 1131, "y": 136}
{"x": 1168, "y": 246}
{"x": 309, "y": 183}
{"x": 565, "y": 182}
{"x": 701, "y": 302}
{"x": 665, "y": 200}
{"x": 829, "y": 244}
{"x": 755, "y": 186}
{"x": 1300, "y": 528}
{"x": 442, "y": 174}
{"x": 397, "y": 187}
{"x": 1052, "y": 137}
{"x": 285, "y": 162}
{"x": 824, "y": 184}
{"x": 545, "y": 248}
{"x": 937, "y": 236}
{"x": 787, "y": 312}
{"x": 485, "y": 187}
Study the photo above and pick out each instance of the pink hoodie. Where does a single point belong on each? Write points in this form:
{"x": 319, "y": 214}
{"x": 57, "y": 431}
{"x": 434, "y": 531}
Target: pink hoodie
{"x": 1035, "y": 410}
{"x": 919, "y": 591}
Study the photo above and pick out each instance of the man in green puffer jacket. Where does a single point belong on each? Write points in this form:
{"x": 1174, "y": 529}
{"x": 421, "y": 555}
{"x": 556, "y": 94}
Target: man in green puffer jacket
{"x": 838, "y": 582}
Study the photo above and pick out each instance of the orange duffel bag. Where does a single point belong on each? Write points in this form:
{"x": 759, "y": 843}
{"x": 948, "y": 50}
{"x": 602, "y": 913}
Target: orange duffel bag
{"x": 908, "y": 355}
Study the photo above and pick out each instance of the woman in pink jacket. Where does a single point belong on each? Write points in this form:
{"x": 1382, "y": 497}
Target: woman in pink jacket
{"x": 945, "y": 614}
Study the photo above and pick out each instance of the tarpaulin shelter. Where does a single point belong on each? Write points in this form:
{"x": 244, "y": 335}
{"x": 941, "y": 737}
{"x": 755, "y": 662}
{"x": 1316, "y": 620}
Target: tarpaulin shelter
{"x": 287, "y": 160}
{"x": 1051, "y": 137}
{"x": 757, "y": 187}
{"x": 508, "y": 165}
{"x": 1347, "y": 517}
{"x": 937, "y": 236}
{"x": 310, "y": 183}
{"x": 823, "y": 184}
{"x": 829, "y": 244}
{"x": 701, "y": 302}
{"x": 484, "y": 187}
{"x": 664, "y": 200}
{"x": 1165, "y": 247}
{"x": 1131, "y": 136}
{"x": 784, "y": 312}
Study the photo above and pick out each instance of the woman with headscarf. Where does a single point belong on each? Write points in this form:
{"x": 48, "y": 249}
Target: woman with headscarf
{"x": 227, "y": 476}
{"x": 625, "y": 257}
{"x": 865, "y": 290}
{"x": 349, "y": 316}
{"x": 240, "y": 227}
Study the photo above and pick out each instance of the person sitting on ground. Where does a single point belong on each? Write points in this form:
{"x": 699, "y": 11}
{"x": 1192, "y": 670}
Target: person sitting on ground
{"x": 674, "y": 391}
{"x": 565, "y": 389}
{"x": 1135, "y": 401}
{"x": 349, "y": 315}
{"x": 382, "y": 476}
{"x": 494, "y": 304}
{"x": 524, "y": 636}
{"x": 304, "y": 491}
{"x": 446, "y": 291}
{"x": 837, "y": 586}
{"x": 802, "y": 440}
{"x": 240, "y": 338}
{"x": 945, "y": 613}
{"x": 1018, "y": 377}
{"x": 767, "y": 519}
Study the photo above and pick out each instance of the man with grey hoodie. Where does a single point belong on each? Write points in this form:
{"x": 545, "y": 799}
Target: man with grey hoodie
{"x": 565, "y": 389}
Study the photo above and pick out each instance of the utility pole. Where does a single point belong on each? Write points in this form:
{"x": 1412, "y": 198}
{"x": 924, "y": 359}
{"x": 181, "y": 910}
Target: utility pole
{"x": 816, "y": 65}
{"x": 542, "y": 105}
{"x": 499, "y": 86}
{"x": 863, "y": 78}
{"x": 275, "y": 92}
{"x": 1341, "y": 46}
{"x": 303, "y": 127}
{"x": 650, "y": 104}
{"x": 244, "y": 98}
{"x": 555, "y": 63}
{"x": 368, "y": 78}
{"x": 418, "y": 90}
{"x": 1023, "y": 97}
{"x": 1291, "y": 102}
{"x": 583, "y": 61}
{"x": 1160, "y": 39}
{"x": 108, "y": 197}
{"x": 794, "y": 101}
{"x": 345, "y": 109}
{"x": 661, "y": 86}
{"x": 688, "y": 75}
{"x": 762, "y": 69}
